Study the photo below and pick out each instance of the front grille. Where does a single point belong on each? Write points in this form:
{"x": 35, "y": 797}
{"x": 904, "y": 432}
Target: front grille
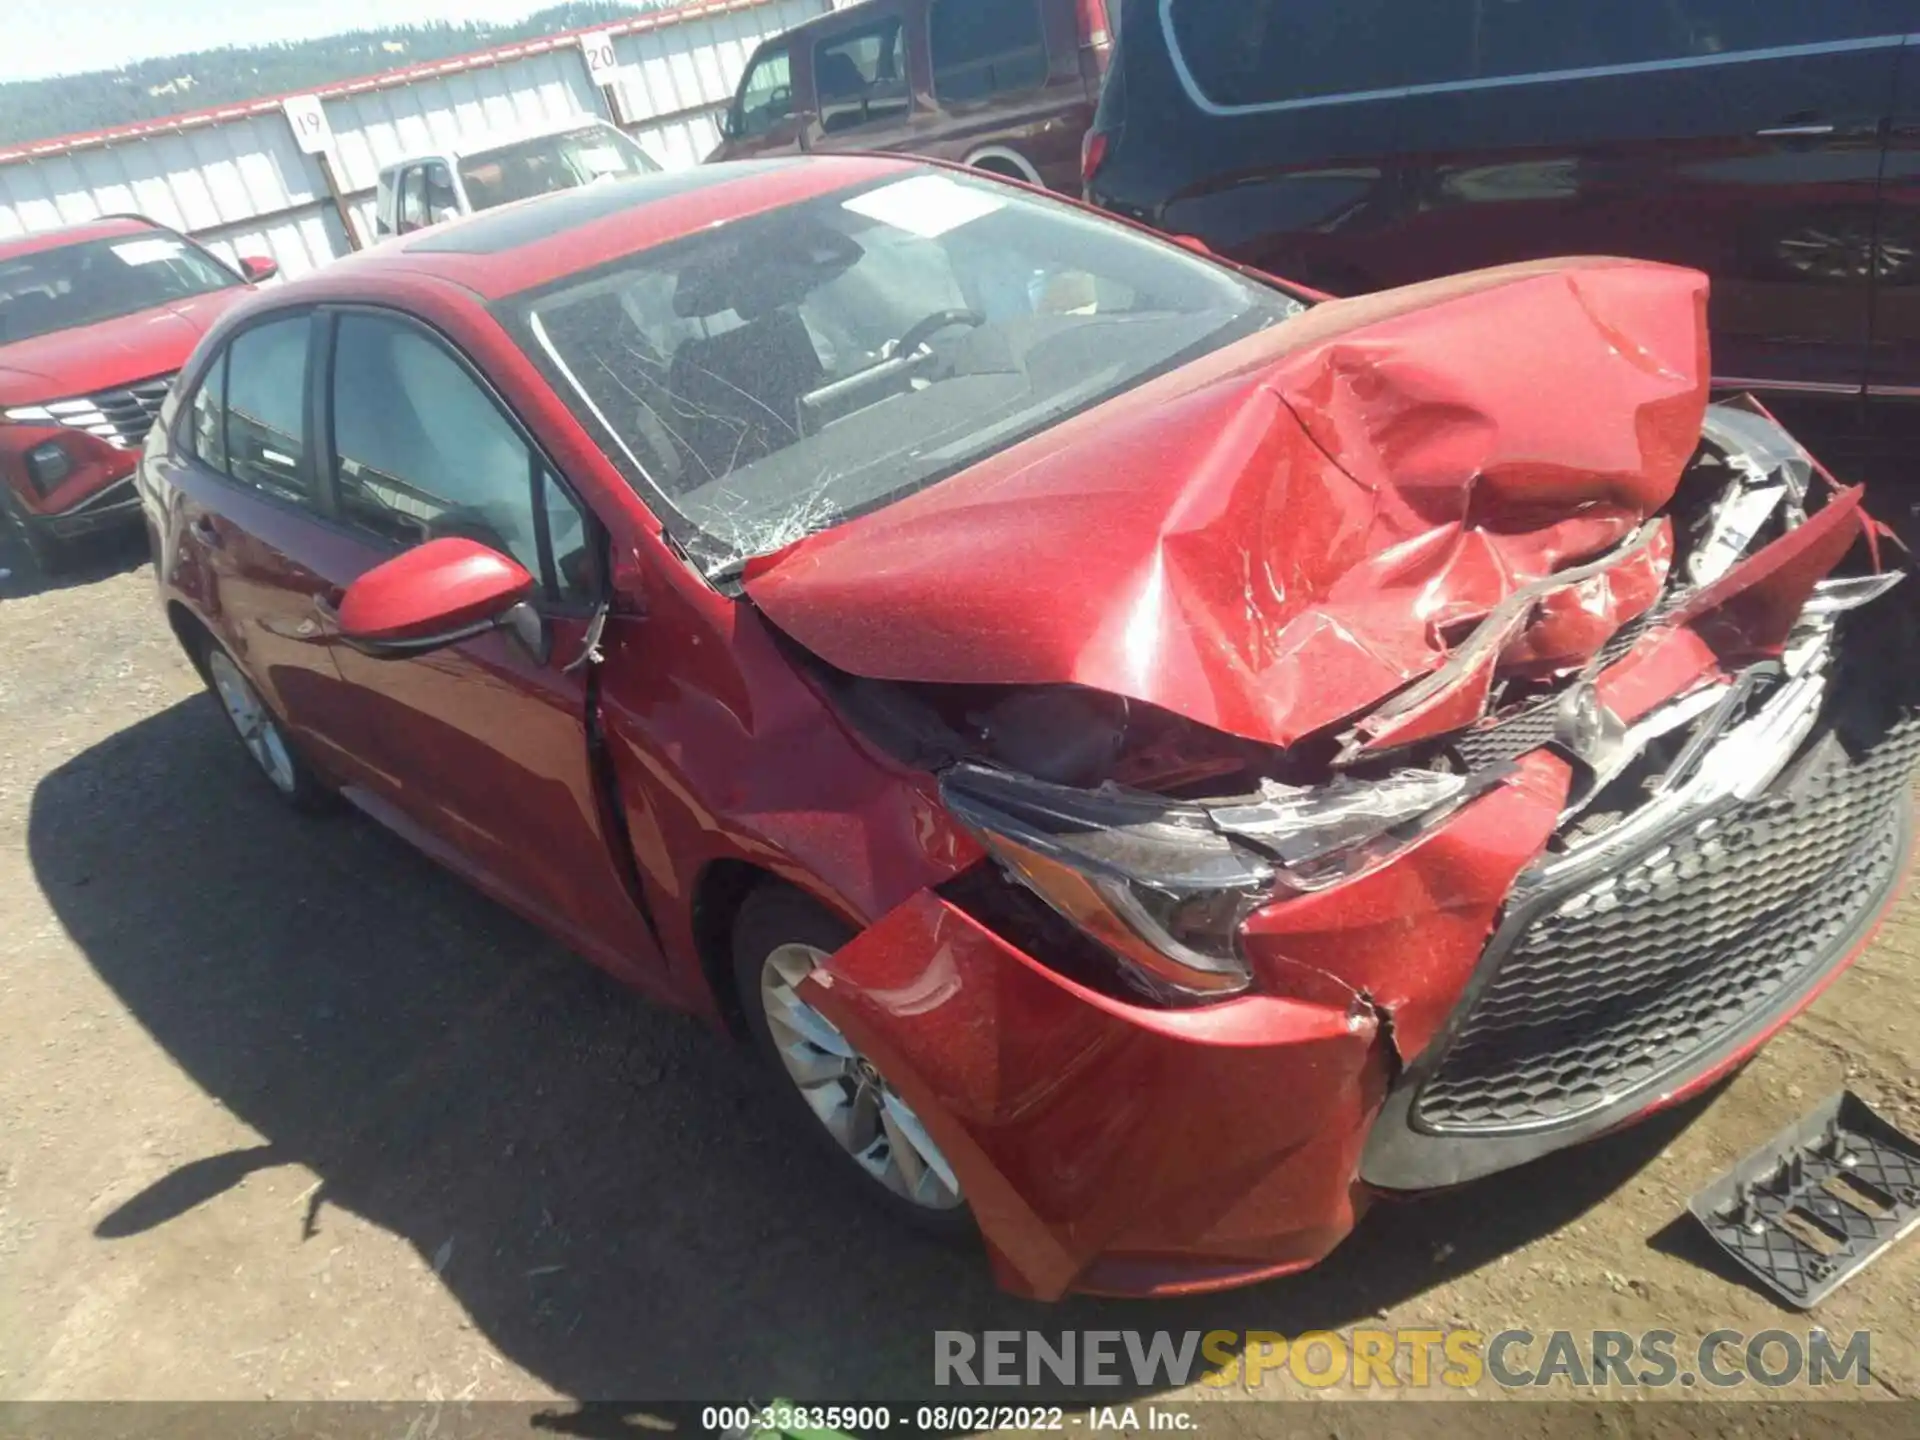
{"x": 121, "y": 417}
{"x": 1627, "y": 976}
{"x": 1510, "y": 738}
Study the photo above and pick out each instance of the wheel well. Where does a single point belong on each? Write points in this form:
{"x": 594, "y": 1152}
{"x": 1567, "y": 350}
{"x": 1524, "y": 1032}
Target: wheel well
{"x": 1004, "y": 160}
{"x": 723, "y": 886}
{"x": 191, "y": 634}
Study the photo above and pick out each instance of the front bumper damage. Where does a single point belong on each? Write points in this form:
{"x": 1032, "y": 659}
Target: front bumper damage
{"x": 1682, "y": 844}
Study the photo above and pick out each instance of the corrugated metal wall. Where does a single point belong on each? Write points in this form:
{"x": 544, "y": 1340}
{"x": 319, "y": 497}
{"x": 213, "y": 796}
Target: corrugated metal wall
{"x": 236, "y": 180}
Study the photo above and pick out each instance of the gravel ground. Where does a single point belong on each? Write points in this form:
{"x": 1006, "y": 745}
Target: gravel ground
{"x": 288, "y": 1112}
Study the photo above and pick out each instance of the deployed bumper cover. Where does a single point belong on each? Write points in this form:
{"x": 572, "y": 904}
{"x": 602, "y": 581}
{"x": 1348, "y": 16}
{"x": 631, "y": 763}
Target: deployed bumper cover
{"x": 1104, "y": 1146}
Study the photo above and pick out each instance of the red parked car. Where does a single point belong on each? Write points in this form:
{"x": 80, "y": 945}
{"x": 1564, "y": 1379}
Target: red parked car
{"x": 1151, "y": 760}
{"x": 94, "y": 321}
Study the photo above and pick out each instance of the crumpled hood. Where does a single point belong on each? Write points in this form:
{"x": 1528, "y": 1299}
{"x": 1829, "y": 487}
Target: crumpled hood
{"x": 86, "y": 358}
{"x": 1284, "y": 534}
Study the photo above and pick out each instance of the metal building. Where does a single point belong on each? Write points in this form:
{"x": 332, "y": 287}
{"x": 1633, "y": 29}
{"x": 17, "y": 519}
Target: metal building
{"x": 293, "y": 176}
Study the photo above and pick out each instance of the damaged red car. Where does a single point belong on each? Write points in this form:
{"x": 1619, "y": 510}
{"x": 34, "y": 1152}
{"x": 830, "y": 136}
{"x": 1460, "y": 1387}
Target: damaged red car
{"x": 1153, "y": 759}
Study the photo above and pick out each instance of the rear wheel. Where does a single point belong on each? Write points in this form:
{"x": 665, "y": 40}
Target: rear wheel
{"x": 260, "y": 733}
{"x": 835, "y": 1092}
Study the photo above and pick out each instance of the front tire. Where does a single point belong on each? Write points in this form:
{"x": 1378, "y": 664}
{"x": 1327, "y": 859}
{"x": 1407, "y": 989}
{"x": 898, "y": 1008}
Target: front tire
{"x": 832, "y": 1090}
{"x": 260, "y": 733}
{"x": 50, "y": 555}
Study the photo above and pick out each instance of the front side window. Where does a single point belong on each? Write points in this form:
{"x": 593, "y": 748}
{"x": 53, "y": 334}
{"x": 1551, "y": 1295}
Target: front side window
{"x": 413, "y": 198}
{"x": 778, "y": 374}
{"x": 987, "y": 47}
{"x": 860, "y": 78}
{"x": 68, "y": 286}
{"x": 266, "y": 425}
{"x": 551, "y": 162}
{"x": 442, "y": 202}
{"x": 422, "y": 451}
{"x": 766, "y": 96}
{"x": 1268, "y": 51}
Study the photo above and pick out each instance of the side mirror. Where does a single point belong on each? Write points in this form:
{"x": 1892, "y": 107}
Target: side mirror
{"x": 439, "y": 594}
{"x": 258, "y": 267}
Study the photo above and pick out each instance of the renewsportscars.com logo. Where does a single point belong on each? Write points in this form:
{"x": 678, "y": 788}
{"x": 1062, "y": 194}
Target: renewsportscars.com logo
{"x": 1364, "y": 1359}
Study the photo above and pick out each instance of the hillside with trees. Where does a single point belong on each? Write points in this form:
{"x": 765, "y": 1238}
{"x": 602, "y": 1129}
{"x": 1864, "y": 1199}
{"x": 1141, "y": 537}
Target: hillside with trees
{"x": 153, "y": 89}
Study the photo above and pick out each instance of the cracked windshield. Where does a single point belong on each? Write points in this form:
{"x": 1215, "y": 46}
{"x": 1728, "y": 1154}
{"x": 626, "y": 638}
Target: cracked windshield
{"x": 771, "y": 377}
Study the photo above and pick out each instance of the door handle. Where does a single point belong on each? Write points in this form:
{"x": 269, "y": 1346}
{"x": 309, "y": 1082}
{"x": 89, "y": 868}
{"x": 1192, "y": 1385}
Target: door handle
{"x": 1810, "y": 130}
{"x": 206, "y": 532}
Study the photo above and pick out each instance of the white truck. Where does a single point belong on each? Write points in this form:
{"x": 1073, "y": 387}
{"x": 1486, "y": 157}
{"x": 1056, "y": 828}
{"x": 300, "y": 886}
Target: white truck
{"x": 424, "y": 189}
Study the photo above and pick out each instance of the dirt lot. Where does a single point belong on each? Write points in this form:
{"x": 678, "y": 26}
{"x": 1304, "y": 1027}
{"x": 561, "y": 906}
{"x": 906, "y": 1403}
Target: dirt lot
{"x": 288, "y": 1112}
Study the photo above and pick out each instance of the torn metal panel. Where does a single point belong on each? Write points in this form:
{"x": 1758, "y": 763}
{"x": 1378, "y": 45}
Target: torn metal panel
{"x": 1282, "y": 535}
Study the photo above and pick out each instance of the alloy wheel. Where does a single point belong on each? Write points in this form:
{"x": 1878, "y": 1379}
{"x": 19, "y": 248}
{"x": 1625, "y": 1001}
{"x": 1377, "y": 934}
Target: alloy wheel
{"x": 876, "y": 1128}
{"x": 252, "y": 721}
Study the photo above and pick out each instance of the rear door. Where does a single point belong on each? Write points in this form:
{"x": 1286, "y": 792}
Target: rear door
{"x": 480, "y": 752}
{"x": 251, "y": 526}
{"x": 1009, "y": 89}
{"x": 1738, "y": 136}
{"x": 1741, "y": 137}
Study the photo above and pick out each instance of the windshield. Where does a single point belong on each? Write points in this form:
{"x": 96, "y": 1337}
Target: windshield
{"x": 771, "y": 377}
{"x": 552, "y": 162}
{"x": 96, "y": 280}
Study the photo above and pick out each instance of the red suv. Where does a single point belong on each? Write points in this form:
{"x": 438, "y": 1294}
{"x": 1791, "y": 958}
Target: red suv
{"x": 1148, "y": 760}
{"x": 94, "y": 321}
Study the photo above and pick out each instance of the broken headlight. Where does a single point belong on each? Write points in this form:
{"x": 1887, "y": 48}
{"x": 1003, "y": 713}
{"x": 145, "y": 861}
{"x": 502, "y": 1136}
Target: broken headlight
{"x": 1164, "y": 886}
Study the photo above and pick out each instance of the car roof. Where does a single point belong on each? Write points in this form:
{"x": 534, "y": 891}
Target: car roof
{"x": 530, "y": 243}
{"x": 110, "y": 227}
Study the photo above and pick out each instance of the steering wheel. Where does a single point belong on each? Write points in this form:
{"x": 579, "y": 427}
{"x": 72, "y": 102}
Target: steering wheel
{"x": 925, "y": 330}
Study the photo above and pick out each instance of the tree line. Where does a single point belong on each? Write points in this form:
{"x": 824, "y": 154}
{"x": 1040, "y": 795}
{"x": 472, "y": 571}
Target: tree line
{"x": 154, "y": 89}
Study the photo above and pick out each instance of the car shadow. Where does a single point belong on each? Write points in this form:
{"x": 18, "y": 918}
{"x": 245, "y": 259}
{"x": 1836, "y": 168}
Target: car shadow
{"x": 89, "y": 559}
{"x": 598, "y": 1182}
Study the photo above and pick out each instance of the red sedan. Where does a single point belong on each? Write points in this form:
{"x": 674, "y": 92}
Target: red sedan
{"x": 1152, "y": 760}
{"x": 94, "y": 321}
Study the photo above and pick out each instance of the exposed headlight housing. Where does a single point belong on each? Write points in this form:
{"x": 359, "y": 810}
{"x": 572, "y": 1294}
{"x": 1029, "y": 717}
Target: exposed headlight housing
{"x": 1164, "y": 886}
{"x": 48, "y": 464}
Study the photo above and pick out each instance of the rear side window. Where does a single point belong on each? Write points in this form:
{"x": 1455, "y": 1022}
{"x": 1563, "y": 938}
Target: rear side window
{"x": 266, "y": 420}
{"x": 860, "y": 78}
{"x": 1260, "y": 52}
{"x": 413, "y": 198}
{"x": 986, "y": 47}
{"x": 766, "y": 97}
{"x": 1518, "y": 37}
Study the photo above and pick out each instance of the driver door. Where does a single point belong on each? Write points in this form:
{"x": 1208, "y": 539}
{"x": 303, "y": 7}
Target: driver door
{"x": 478, "y": 752}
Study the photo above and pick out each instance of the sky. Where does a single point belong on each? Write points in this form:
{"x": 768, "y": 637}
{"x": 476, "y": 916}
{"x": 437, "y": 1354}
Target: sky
{"x": 64, "y": 37}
